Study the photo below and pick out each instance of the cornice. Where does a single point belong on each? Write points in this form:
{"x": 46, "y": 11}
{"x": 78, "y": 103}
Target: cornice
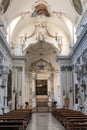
{"x": 80, "y": 41}
{"x": 23, "y": 58}
{"x": 62, "y": 58}
{"x": 5, "y": 45}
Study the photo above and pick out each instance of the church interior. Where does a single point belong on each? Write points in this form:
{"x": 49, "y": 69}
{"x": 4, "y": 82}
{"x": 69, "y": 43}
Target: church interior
{"x": 43, "y": 64}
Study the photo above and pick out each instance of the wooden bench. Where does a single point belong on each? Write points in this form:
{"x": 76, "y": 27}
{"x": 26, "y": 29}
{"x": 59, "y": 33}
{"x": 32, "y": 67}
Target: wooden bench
{"x": 15, "y": 120}
{"x": 12, "y": 125}
{"x": 71, "y": 120}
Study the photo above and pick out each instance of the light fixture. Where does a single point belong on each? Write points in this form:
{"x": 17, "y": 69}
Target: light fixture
{"x": 71, "y": 89}
{"x": 20, "y": 93}
{"x": 14, "y": 90}
{"x": 1, "y": 70}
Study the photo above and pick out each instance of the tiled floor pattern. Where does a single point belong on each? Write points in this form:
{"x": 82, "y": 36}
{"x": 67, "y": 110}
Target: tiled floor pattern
{"x": 44, "y": 121}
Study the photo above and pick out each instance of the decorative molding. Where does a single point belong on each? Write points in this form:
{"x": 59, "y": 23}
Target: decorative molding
{"x": 41, "y": 31}
{"x": 80, "y": 42}
{"x": 78, "y": 6}
{"x": 66, "y": 68}
{"x": 46, "y": 66}
{"x": 4, "y": 46}
{"x": 84, "y": 55}
{"x": 4, "y": 6}
{"x": 20, "y": 68}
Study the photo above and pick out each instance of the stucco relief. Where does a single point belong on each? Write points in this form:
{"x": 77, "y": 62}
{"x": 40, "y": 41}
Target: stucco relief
{"x": 78, "y": 6}
{"x": 41, "y": 65}
{"x": 4, "y": 6}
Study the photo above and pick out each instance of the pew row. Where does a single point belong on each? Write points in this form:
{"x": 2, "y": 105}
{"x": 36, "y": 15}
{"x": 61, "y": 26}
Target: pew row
{"x": 70, "y": 119}
{"x": 16, "y": 120}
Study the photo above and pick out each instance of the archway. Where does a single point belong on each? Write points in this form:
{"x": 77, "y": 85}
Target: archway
{"x": 41, "y": 73}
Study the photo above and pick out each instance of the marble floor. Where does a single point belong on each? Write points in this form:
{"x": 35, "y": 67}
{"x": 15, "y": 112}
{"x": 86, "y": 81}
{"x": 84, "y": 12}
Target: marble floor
{"x": 44, "y": 121}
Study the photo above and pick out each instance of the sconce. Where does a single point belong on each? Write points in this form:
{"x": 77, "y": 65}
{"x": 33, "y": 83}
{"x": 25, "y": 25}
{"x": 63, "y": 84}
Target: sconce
{"x": 1, "y": 70}
{"x": 85, "y": 96}
{"x": 20, "y": 93}
{"x": 78, "y": 78}
{"x": 3, "y": 84}
{"x": 83, "y": 84}
{"x": 14, "y": 90}
{"x": 71, "y": 89}
{"x": 81, "y": 107}
{"x": 3, "y": 110}
{"x": 63, "y": 92}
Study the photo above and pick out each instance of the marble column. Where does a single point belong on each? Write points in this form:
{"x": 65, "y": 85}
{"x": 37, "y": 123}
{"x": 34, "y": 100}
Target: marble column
{"x": 33, "y": 90}
{"x": 85, "y": 104}
{"x": 5, "y": 85}
{"x": 49, "y": 87}
{"x": 14, "y": 85}
{"x": 63, "y": 87}
{"x": 66, "y": 84}
{"x": 18, "y": 87}
{"x": 52, "y": 87}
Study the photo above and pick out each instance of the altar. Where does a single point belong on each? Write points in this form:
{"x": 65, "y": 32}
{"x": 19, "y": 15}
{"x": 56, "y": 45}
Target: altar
{"x": 42, "y": 101}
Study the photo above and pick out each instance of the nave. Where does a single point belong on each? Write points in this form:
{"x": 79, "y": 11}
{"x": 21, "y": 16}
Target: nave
{"x": 44, "y": 121}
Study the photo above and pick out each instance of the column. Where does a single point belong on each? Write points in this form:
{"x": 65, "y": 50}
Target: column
{"x": 63, "y": 85}
{"x": 27, "y": 89}
{"x": 20, "y": 87}
{"x": 33, "y": 90}
{"x": 14, "y": 87}
{"x": 49, "y": 88}
{"x": 52, "y": 87}
{"x": 5, "y": 87}
{"x": 66, "y": 82}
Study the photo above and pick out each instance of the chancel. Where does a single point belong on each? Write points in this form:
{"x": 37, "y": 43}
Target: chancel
{"x": 43, "y": 64}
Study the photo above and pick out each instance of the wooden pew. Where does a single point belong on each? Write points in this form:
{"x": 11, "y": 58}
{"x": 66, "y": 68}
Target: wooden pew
{"x": 12, "y": 125}
{"x": 76, "y": 121}
{"x": 15, "y": 120}
{"x": 67, "y": 118}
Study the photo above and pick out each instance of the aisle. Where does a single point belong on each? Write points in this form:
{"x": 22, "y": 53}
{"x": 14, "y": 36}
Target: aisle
{"x": 44, "y": 121}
